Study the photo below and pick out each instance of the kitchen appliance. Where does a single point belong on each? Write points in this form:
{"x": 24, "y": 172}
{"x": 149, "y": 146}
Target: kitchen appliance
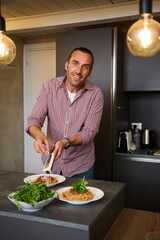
{"x": 148, "y": 138}
{"x": 125, "y": 141}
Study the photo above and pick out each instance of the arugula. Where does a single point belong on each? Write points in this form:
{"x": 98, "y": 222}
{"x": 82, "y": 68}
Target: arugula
{"x": 80, "y": 186}
{"x": 32, "y": 193}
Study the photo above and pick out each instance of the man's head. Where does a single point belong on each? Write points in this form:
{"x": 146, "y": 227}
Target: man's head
{"x": 78, "y": 67}
{"x": 84, "y": 50}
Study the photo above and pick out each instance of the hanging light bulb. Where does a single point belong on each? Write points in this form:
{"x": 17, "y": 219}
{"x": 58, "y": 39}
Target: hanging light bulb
{"x": 7, "y": 46}
{"x": 143, "y": 37}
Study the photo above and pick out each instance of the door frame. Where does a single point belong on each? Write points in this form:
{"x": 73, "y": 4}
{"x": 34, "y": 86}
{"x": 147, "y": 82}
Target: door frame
{"x": 39, "y": 46}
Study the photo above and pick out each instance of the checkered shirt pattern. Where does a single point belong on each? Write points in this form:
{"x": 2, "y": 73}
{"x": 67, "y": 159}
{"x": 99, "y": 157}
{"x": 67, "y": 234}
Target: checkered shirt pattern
{"x": 66, "y": 119}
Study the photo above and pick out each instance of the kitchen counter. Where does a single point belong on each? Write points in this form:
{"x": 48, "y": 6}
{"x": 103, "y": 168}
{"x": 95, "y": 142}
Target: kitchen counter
{"x": 59, "y": 220}
{"x": 141, "y": 154}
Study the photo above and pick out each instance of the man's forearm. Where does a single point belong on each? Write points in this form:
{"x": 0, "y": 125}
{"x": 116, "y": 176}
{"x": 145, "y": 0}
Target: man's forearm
{"x": 75, "y": 140}
{"x": 35, "y": 132}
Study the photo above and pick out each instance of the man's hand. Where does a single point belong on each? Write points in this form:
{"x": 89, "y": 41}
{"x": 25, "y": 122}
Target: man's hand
{"x": 40, "y": 140}
{"x": 39, "y": 146}
{"x": 59, "y": 146}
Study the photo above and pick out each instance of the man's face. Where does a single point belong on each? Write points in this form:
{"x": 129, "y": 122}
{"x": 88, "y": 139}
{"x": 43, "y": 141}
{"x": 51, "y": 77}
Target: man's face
{"x": 78, "y": 69}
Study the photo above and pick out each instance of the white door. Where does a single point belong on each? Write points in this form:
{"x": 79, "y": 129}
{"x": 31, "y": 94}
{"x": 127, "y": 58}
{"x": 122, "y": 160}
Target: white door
{"x": 39, "y": 66}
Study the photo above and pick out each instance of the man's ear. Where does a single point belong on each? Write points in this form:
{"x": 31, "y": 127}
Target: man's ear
{"x": 66, "y": 65}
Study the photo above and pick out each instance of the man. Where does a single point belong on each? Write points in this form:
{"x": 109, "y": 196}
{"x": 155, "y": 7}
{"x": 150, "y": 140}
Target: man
{"x": 73, "y": 106}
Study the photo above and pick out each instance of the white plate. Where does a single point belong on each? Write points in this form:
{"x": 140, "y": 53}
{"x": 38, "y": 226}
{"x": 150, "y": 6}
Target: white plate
{"x": 27, "y": 207}
{"x": 31, "y": 178}
{"x": 98, "y": 194}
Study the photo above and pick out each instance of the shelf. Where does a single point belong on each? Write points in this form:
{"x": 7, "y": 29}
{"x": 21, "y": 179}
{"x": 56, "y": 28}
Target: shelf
{"x": 6, "y": 67}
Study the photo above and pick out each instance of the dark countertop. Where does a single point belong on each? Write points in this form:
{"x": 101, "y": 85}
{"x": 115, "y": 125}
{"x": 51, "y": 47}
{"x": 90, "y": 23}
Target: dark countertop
{"x": 59, "y": 213}
{"x": 142, "y": 154}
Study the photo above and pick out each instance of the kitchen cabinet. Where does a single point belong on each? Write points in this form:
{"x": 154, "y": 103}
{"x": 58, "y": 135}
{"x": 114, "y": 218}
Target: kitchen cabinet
{"x": 106, "y": 45}
{"x": 141, "y": 74}
{"x": 142, "y": 178}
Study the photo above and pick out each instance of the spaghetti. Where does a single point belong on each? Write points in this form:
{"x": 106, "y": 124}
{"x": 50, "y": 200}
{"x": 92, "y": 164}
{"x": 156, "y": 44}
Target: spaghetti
{"x": 46, "y": 179}
{"x": 72, "y": 195}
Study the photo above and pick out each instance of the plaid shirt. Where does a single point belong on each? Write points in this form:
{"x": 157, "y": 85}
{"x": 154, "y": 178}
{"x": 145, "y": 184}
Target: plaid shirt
{"x": 66, "y": 119}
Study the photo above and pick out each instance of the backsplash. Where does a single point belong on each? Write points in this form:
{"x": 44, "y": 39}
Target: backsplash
{"x": 145, "y": 108}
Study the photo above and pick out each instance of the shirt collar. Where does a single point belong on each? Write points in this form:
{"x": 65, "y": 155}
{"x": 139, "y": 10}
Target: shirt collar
{"x": 86, "y": 86}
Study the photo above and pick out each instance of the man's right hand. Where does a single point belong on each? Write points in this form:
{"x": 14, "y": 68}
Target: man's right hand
{"x": 40, "y": 140}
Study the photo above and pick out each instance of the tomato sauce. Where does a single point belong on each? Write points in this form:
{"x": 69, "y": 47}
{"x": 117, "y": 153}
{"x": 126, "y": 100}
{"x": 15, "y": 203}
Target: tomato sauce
{"x": 74, "y": 192}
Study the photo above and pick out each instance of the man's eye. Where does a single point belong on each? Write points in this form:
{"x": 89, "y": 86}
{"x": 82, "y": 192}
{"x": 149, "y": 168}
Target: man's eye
{"x": 86, "y": 67}
{"x": 75, "y": 63}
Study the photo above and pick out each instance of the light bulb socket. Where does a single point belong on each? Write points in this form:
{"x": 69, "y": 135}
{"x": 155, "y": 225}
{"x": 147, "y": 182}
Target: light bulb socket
{"x": 145, "y": 6}
{"x": 2, "y": 24}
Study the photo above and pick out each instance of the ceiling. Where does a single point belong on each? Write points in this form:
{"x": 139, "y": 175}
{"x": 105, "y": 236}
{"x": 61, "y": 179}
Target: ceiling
{"x": 44, "y": 18}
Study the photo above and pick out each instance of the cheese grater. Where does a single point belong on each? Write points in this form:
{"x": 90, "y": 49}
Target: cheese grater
{"x": 49, "y": 163}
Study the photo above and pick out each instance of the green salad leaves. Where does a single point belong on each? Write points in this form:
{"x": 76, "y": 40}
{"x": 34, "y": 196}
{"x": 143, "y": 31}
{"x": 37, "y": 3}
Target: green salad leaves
{"x": 32, "y": 193}
{"x": 80, "y": 186}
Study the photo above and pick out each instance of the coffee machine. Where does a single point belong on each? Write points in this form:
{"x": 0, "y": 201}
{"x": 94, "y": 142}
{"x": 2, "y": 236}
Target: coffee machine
{"x": 125, "y": 141}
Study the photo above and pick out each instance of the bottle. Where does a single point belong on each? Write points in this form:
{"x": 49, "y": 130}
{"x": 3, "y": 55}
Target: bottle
{"x": 136, "y": 138}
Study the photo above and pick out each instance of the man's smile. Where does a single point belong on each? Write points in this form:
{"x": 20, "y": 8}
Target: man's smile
{"x": 76, "y": 76}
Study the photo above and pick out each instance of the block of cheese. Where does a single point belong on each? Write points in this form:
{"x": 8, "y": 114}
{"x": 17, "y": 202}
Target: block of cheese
{"x": 157, "y": 153}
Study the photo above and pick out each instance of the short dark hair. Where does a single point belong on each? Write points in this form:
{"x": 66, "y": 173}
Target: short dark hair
{"x": 84, "y": 50}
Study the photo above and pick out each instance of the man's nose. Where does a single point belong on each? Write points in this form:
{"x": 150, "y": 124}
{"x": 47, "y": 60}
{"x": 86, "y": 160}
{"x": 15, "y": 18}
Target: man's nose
{"x": 79, "y": 69}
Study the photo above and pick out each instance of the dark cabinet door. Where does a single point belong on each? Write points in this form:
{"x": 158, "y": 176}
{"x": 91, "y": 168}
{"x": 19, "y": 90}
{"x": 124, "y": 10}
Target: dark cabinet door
{"x": 142, "y": 180}
{"x": 141, "y": 74}
{"x": 106, "y": 46}
{"x": 99, "y": 41}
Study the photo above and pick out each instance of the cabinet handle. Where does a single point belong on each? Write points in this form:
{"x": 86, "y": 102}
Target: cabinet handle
{"x": 120, "y": 107}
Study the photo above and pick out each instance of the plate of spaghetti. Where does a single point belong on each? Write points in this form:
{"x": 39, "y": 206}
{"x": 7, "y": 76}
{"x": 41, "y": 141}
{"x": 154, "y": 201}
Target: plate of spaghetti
{"x": 67, "y": 194}
{"x": 48, "y": 179}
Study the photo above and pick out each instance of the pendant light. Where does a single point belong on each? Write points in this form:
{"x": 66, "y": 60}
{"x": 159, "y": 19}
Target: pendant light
{"x": 7, "y": 46}
{"x": 143, "y": 37}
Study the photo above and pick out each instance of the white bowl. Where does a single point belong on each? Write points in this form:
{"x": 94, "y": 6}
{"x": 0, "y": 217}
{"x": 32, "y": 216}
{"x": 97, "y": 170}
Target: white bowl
{"x": 27, "y": 207}
{"x": 32, "y": 178}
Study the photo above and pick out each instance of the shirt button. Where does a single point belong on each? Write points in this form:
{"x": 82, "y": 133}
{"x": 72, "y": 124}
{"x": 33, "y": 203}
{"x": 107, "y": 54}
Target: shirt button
{"x": 67, "y": 122}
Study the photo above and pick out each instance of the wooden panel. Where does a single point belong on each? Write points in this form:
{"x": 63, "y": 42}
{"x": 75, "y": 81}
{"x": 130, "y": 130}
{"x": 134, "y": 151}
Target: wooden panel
{"x": 13, "y": 12}
{"x": 6, "y": 15}
{"x": 69, "y": 4}
{"x": 21, "y": 7}
{"x": 85, "y": 3}
{"x": 38, "y": 7}
{"x": 119, "y": 1}
{"x": 53, "y": 5}
{"x": 101, "y": 2}
{"x": 133, "y": 225}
